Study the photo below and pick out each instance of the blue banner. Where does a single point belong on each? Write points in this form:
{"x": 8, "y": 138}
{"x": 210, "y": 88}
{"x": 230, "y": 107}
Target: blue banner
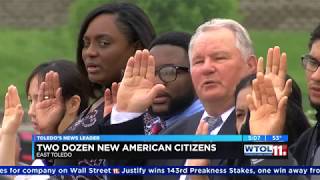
{"x": 159, "y": 170}
{"x": 159, "y": 138}
{"x": 265, "y": 138}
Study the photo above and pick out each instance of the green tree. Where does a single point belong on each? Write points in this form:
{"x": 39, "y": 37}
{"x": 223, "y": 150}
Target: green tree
{"x": 166, "y": 15}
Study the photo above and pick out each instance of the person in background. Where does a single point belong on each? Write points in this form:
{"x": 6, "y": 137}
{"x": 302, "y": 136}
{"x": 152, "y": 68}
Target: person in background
{"x": 296, "y": 121}
{"x": 306, "y": 149}
{"x": 72, "y": 94}
{"x": 178, "y": 101}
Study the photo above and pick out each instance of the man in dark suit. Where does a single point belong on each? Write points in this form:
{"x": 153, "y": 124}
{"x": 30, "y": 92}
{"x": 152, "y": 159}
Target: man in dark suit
{"x": 220, "y": 54}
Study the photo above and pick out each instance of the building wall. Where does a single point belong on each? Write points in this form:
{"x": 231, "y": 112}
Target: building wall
{"x": 257, "y": 14}
{"x": 33, "y": 13}
{"x": 280, "y": 14}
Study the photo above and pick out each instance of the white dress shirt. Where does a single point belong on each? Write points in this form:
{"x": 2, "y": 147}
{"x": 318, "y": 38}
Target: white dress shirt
{"x": 224, "y": 116}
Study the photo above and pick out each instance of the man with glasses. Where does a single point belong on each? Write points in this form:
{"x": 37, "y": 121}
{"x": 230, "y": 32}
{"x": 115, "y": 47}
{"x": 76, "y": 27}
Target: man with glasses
{"x": 306, "y": 150}
{"x": 178, "y": 100}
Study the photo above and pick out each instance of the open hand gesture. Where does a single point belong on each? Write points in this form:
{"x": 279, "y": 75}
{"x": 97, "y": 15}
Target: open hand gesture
{"x": 13, "y": 112}
{"x": 267, "y": 114}
{"x": 137, "y": 89}
{"x": 50, "y": 107}
{"x": 110, "y": 98}
{"x": 276, "y": 70}
{"x": 12, "y": 118}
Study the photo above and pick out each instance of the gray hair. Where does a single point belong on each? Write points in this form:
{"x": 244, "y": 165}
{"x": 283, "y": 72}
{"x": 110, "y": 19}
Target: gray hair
{"x": 243, "y": 41}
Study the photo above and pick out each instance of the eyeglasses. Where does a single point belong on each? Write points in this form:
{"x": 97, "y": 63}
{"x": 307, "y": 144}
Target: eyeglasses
{"x": 168, "y": 72}
{"x": 310, "y": 63}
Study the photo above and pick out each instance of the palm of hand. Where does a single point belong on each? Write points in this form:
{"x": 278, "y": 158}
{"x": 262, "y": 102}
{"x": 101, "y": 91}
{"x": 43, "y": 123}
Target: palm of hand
{"x": 264, "y": 116}
{"x": 51, "y": 111}
{"x": 11, "y": 120}
{"x": 278, "y": 84}
{"x": 134, "y": 92}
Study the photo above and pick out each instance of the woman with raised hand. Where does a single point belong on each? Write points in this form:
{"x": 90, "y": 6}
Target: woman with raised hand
{"x": 69, "y": 90}
{"x": 296, "y": 121}
{"x": 109, "y": 36}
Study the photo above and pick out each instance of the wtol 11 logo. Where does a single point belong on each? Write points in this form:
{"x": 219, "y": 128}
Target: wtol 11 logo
{"x": 265, "y": 150}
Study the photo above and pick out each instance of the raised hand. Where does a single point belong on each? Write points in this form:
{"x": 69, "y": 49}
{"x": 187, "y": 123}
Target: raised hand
{"x": 13, "y": 112}
{"x": 110, "y": 98}
{"x": 267, "y": 114}
{"x": 276, "y": 70}
{"x": 50, "y": 107}
{"x": 138, "y": 89}
{"x": 201, "y": 130}
{"x": 12, "y": 118}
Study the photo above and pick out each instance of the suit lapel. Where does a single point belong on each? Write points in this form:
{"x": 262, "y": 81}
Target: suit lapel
{"x": 229, "y": 126}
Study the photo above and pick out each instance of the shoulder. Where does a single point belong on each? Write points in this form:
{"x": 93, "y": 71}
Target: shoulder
{"x": 88, "y": 122}
{"x": 186, "y": 126}
{"x": 301, "y": 149}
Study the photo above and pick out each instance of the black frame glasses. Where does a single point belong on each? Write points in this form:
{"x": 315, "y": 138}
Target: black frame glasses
{"x": 169, "y": 72}
{"x": 310, "y": 63}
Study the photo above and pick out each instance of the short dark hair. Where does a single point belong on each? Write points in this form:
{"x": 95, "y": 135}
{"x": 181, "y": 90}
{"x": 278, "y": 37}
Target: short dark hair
{"x": 314, "y": 36}
{"x": 180, "y": 39}
{"x": 71, "y": 80}
{"x": 130, "y": 20}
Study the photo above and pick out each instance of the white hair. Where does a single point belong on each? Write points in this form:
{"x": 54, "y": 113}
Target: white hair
{"x": 243, "y": 41}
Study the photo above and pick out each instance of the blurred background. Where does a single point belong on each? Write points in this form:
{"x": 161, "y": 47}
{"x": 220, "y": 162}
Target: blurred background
{"x": 35, "y": 31}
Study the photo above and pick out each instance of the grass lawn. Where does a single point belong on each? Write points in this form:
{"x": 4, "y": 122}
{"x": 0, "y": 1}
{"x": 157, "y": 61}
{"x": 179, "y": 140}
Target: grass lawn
{"x": 22, "y": 50}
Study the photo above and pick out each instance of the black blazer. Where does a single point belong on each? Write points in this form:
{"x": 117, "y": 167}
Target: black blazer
{"x": 188, "y": 126}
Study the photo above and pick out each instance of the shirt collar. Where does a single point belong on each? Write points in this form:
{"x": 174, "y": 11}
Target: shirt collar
{"x": 224, "y": 116}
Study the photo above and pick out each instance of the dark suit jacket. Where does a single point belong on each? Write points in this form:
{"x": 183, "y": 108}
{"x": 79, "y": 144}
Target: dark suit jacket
{"x": 189, "y": 126}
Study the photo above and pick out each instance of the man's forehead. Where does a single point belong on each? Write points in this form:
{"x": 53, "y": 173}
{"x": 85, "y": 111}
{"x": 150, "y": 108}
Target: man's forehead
{"x": 315, "y": 49}
{"x": 169, "y": 54}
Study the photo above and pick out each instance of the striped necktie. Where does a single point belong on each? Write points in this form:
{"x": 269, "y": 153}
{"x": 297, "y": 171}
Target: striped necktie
{"x": 213, "y": 122}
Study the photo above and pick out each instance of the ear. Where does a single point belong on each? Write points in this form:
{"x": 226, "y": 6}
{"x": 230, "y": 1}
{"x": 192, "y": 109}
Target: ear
{"x": 252, "y": 64}
{"x": 73, "y": 104}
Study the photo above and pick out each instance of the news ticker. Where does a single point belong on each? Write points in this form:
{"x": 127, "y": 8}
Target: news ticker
{"x": 158, "y": 146}
{"x": 159, "y": 170}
